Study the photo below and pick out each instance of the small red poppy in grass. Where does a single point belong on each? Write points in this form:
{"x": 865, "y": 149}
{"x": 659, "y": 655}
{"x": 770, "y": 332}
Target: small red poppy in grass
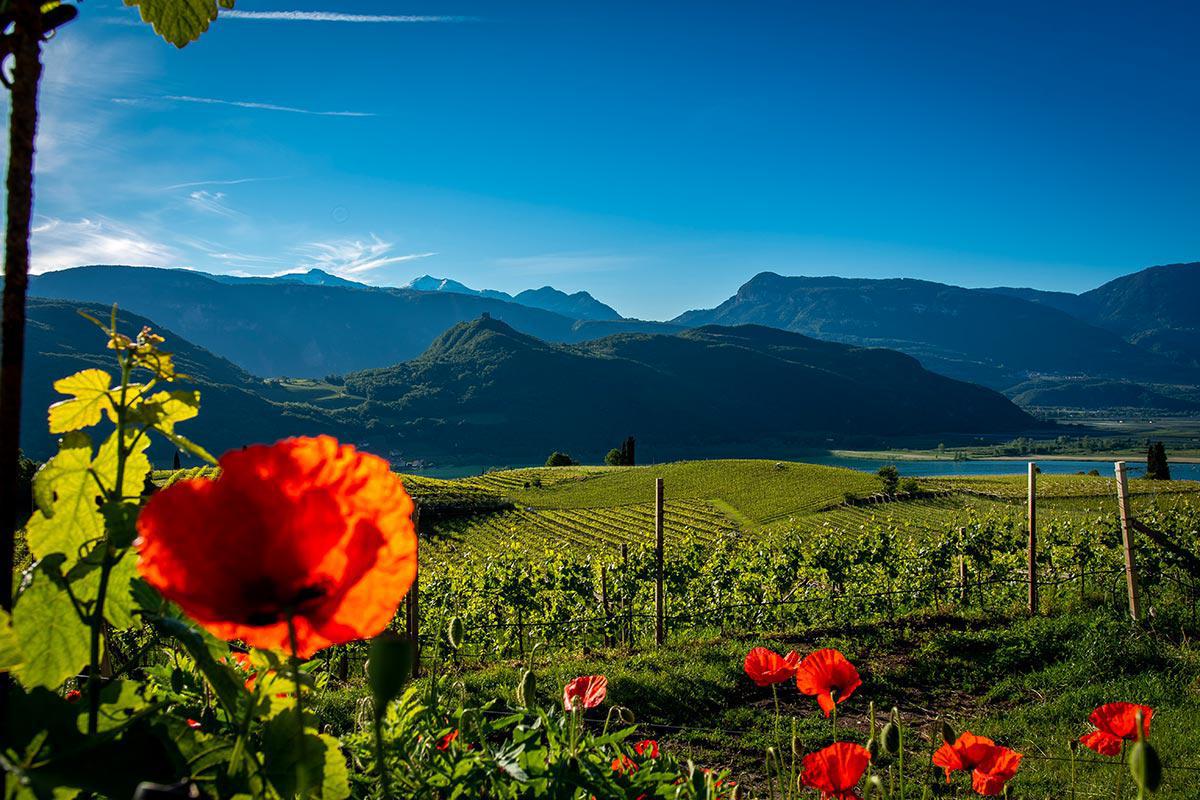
{"x": 73, "y": 696}
{"x": 966, "y": 753}
{"x": 1115, "y": 723}
{"x": 624, "y": 765}
{"x": 995, "y": 771}
{"x": 305, "y": 536}
{"x": 585, "y": 692}
{"x": 828, "y": 675}
{"x": 836, "y": 770}
{"x": 193, "y": 724}
{"x": 647, "y": 748}
{"x": 766, "y": 667}
{"x": 445, "y": 742}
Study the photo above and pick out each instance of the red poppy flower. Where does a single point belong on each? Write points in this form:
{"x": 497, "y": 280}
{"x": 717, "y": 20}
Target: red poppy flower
{"x": 836, "y": 770}
{"x": 73, "y": 695}
{"x": 967, "y": 753}
{"x": 997, "y": 769}
{"x": 586, "y": 692}
{"x": 1115, "y": 722}
{"x": 766, "y": 667}
{"x": 305, "y": 529}
{"x": 623, "y": 764}
{"x": 647, "y": 748}
{"x": 193, "y": 724}
{"x": 828, "y": 675}
{"x": 445, "y": 741}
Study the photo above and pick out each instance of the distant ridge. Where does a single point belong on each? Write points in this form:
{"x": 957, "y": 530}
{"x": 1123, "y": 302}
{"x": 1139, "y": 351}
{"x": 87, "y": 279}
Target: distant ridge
{"x": 579, "y": 305}
{"x": 987, "y": 336}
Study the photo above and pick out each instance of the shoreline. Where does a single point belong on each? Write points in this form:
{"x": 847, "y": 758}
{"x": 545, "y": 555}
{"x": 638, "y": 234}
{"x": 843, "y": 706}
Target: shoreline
{"x": 888, "y": 455}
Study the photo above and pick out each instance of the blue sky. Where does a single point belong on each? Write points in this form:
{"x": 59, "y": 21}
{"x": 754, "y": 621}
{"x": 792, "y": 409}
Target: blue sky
{"x": 656, "y": 154}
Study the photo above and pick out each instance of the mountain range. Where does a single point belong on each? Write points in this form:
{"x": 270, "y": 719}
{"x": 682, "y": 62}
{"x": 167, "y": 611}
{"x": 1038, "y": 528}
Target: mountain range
{"x": 579, "y": 305}
{"x": 483, "y": 391}
{"x": 1136, "y": 334}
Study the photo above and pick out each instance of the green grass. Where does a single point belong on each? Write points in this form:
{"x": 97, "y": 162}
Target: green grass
{"x": 1028, "y": 683}
{"x": 750, "y": 491}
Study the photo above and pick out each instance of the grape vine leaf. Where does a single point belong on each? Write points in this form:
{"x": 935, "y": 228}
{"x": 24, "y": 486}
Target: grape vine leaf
{"x": 179, "y": 21}
{"x": 53, "y": 639}
{"x": 10, "y": 648}
{"x": 164, "y": 409}
{"x": 137, "y": 464}
{"x": 68, "y": 515}
{"x": 90, "y": 390}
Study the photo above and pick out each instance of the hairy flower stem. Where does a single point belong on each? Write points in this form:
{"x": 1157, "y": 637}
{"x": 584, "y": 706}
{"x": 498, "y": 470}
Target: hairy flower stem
{"x": 299, "y": 698}
{"x": 1121, "y": 771}
{"x": 775, "y": 691}
{"x": 384, "y": 779}
{"x": 833, "y": 716}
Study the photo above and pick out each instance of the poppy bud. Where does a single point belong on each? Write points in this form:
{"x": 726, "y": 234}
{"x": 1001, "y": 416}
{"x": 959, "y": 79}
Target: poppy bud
{"x": 891, "y": 738}
{"x": 389, "y": 666}
{"x": 467, "y": 719}
{"x": 527, "y": 688}
{"x": 1145, "y": 766}
{"x": 874, "y": 788}
{"x": 625, "y": 714}
{"x": 773, "y": 762}
{"x": 948, "y": 733}
{"x": 873, "y": 748}
{"x": 454, "y": 633}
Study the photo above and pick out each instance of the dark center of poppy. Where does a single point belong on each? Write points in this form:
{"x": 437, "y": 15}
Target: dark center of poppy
{"x": 270, "y": 604}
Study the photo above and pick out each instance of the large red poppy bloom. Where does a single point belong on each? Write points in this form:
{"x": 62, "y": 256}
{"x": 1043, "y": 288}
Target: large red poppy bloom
{"x": 828, "y": 675}
{"x": 766, "y": 667}
{"x": 1115, "y": 723}
{"x": 836, "y": 770}
{"x": 967, "y": 753}
{"x": 997, "y": 769}
{"x": 305, "y": 529}
{"x": 647, "y": 748}
{"x": 585, "y": 692}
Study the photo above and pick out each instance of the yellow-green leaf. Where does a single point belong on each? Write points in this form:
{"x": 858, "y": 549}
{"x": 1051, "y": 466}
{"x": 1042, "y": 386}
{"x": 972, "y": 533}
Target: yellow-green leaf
{"x": 10, "y": 648}
{"x": 90, "y": 390}
{"x": 137, "y": 464}
{"x": 164, "y": 409}
{"x": 53, "y": 639}
{"x": 179, "y": 21}
{"x": 119, "y": 605}
{"x": 68, "y": 517}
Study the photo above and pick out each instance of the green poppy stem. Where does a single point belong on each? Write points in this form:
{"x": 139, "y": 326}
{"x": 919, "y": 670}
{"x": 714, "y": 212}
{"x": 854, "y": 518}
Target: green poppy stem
{"x": 1121, "y": 771}
{"x": 834, "y": 718}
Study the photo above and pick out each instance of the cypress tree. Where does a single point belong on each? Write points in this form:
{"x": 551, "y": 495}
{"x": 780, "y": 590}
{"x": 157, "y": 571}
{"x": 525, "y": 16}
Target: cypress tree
{"x": 1151, "y": 463}
{"x": 1160, "y": 455}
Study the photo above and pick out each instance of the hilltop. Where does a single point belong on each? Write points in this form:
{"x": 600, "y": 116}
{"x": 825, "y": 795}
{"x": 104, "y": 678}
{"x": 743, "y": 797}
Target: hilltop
{"x": 484, "y": 387}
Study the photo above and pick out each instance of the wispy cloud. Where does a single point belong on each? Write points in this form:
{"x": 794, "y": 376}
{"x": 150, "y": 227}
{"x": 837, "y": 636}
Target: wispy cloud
{"x": 213, "y": 101}
{"x": 59, "y": 243}
{"x": 353, "y": 257}
{"x": 337, "y": 16}
{"x": 230, "y": 182}
{"x": 211, "y": 203}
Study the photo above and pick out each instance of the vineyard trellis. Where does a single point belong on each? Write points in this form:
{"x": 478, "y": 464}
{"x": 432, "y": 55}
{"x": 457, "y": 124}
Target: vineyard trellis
{"x": 579, "y": 576}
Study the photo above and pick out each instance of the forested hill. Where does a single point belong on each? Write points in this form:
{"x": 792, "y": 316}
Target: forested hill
{"x": 235, "y": 406}
{"x": 483, "y": 387}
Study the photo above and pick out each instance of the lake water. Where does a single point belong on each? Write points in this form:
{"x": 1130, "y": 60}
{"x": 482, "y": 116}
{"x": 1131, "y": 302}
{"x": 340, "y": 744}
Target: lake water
{"x": 949, "y": 467}
{"x": 921, "y": 469}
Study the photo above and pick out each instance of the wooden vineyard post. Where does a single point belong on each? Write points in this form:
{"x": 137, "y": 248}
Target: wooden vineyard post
{"x": 608, "y": 640}
{"x": 412, "y": 601}
{"x": 962, "y": 569}
{"x": 626, "y": 602}
{"x": 1033, "y": 580}
{"x": 1127, "y": 540}
{"x": 659, "y": 594}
